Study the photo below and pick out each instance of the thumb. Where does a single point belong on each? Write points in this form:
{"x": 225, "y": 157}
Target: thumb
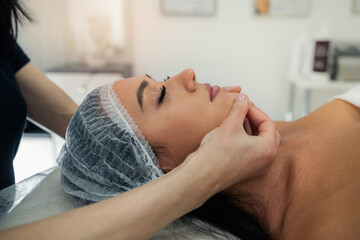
{"x": 238, "y": 112}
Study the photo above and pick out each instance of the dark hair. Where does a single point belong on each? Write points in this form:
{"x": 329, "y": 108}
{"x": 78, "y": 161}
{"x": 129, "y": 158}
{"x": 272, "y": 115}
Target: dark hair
{"x": 11, "y": 13}
{"x": 228, "y": 213}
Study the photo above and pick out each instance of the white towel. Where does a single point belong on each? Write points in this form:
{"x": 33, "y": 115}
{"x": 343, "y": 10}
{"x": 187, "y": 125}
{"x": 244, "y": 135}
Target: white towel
{"x": 352, "y": 96}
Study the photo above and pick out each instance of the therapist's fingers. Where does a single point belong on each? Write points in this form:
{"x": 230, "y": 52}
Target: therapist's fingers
{"x": 234, "y": 89}
{"x": 266, "y": 126}
{"x": 238, "y": 113}
{"x": 257, "y": 116}
{"x": 247, "y": 127}
{"x": 236, "y": 118}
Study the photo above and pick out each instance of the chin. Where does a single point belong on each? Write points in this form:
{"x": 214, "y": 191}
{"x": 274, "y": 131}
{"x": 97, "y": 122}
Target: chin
{"x": 229, "y": 101}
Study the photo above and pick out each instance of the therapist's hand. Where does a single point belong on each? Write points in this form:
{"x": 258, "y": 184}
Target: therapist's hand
{"x": 229, "y": 154}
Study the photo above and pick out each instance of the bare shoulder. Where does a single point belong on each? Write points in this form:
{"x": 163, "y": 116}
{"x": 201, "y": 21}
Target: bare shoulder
{"x": 336, "y": 111}
{"x": 340, "y": 104}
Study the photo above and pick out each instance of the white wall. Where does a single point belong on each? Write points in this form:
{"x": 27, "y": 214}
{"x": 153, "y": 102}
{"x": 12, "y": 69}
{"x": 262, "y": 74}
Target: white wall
{"x": 233, "y": 47}
{"x": 49, "y": 42}
{"x": 44, "y": 39}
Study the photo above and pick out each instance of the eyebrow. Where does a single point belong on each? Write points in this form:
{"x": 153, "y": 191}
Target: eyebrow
{"x": 140, "y": 92}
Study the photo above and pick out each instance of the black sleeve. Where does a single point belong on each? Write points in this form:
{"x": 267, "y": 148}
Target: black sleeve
{"x": 18, "y": 58}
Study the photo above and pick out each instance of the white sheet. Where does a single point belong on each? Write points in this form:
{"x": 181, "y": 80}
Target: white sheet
{"x": 42, "y": 196}
{"x": 352, "y": 96}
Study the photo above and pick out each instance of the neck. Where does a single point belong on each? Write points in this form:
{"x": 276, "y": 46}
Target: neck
{"x": 271, "y": 189}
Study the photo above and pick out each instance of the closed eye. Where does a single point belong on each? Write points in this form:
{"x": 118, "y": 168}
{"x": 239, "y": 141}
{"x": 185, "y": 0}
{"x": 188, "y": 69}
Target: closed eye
{"x": 162, "y": 94}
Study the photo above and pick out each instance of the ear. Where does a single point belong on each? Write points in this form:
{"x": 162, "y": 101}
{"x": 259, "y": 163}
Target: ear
{"x": 165, "y": 160}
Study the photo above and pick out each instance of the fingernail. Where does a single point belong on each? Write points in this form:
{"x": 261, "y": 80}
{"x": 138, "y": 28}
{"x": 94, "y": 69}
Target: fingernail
{"x": 241, "y": 97}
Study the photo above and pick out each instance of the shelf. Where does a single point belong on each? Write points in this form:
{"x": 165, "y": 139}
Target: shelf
{"x": 310, "y": 84}
{"x": 326, "y": 83}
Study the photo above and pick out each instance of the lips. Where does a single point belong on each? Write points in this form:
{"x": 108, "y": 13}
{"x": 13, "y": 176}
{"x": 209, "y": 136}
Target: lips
{"x": 212, "y": 90}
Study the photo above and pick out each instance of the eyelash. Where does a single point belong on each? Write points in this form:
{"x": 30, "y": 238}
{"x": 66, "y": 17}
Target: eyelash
{"x": 163, "y": 91}
{"x": 162, "y": 94}
{"x": 165, "y": 79}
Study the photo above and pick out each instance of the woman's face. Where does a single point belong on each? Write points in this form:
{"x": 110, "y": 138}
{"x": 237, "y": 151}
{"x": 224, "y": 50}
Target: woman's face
{"x": 176, "y": 114}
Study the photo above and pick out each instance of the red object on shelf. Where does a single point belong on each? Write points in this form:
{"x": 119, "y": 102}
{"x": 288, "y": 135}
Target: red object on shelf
{"x": 321, "y": 56}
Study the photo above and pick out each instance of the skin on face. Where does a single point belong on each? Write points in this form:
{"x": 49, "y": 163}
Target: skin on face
{"x": 175, "y": 127}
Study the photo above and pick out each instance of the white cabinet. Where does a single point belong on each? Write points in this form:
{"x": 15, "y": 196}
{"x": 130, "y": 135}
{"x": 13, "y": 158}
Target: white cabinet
{"x": 299, "y": 82}
{"x": 78, "y": 85}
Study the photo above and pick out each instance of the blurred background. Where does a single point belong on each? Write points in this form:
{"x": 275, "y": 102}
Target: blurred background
{"x": 289, "y": 56}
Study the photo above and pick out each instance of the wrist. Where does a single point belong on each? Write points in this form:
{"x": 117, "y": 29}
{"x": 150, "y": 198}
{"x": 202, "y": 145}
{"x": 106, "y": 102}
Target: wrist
{"x": 203, "y": 181}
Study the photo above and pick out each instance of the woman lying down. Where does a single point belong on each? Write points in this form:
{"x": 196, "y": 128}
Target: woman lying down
{"x": 133, "y": 131}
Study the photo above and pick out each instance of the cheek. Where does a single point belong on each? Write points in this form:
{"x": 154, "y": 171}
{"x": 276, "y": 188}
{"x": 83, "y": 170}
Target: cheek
{"x": 181, "y": 128}
{"x": 182, "y": 133}
{"x": 189, "y": 122}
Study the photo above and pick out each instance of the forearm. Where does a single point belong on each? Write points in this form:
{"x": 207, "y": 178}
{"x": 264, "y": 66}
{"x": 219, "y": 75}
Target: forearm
{"x": 137, "y": 214}
{"x": 152, "y": 208}
{"x": 46, "y": 103}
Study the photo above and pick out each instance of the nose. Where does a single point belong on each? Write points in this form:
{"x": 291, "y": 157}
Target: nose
{"x": 188, "y": 79}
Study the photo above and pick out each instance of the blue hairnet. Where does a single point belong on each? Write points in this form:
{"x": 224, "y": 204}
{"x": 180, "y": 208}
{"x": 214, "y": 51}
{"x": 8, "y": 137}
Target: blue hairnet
{"x": 104, "y": 153}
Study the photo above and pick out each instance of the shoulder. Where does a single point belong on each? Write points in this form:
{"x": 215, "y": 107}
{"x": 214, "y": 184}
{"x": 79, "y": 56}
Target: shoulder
{"x": 336, "y": 111}
{"x": 339, "y": 109}
{"x": 352, "y": 96}
{"x": 17, "y": 57}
